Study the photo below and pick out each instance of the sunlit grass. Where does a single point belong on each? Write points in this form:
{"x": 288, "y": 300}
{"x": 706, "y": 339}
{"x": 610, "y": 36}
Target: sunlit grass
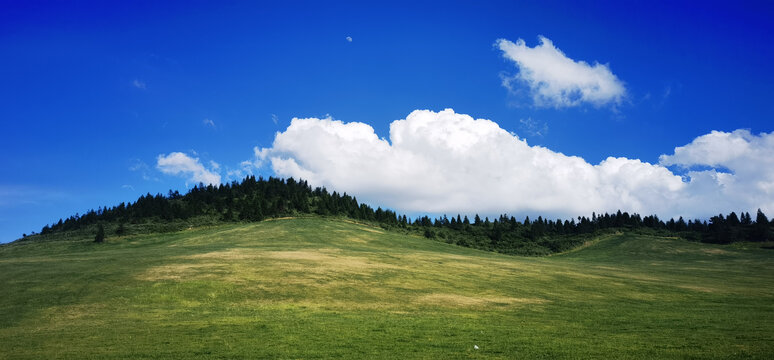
{"x": 317, "y": 288}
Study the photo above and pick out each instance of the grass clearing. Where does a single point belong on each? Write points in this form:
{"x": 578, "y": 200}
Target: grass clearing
{"x": 321, "y": 288}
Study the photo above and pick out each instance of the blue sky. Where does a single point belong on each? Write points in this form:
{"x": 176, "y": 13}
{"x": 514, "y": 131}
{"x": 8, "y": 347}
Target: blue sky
{"x": 93, "y": 93}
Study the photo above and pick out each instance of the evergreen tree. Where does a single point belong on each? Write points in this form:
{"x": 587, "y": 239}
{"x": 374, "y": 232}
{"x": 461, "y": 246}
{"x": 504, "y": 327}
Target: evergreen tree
{"x": 761, "y": 230}
{"x": 100, "y": 237}
{"x": 746, "y": 219}
{"x": 761, "y": 218}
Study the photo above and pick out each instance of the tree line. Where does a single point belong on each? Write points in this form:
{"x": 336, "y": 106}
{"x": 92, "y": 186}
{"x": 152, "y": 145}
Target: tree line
{"x": 257, "y": 199}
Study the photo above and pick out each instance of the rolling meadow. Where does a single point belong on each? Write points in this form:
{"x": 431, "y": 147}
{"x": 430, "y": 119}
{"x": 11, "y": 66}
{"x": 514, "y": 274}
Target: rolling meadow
{"x": 333, "y": 288}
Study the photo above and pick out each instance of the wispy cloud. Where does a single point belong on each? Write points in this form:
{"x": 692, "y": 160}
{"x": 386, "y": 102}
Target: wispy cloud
{"x": 139, "y": 166}
{"x": 274, "y": 119}
{"x": 245, "y": 168}
{"x": 349, "y": 39}
{"x": 209, "y": 123}
{"x": 667, "y": 92}
{"x": 533, "y": 127}
{"x": 138, "y": 84}
{"x": 555, "y": 80}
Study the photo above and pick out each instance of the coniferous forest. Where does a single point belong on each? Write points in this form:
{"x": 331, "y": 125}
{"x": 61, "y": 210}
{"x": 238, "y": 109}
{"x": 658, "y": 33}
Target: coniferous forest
{"x": 259, "y": 199}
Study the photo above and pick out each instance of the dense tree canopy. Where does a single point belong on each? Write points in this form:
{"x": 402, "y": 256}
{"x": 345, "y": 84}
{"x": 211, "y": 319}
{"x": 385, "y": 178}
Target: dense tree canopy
{"x": 257, "y": 199}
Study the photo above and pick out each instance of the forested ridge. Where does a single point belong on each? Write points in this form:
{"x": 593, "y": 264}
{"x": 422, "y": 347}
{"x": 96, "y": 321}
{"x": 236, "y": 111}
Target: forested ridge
{"x": 258, "y": 199}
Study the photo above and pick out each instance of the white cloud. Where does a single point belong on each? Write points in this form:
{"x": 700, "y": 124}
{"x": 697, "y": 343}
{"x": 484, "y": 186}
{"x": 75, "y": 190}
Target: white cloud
{"x": 444, "y": 162}
{"x": 138, "y": 84}
{"x": 180, "y": 164}
{"x": 209, "y": 122}
{"x": 259, "y": 158}
{"x": 741, "y": 165}
{"x": 718, "y": 148}
{"x": 555, "y": 80}
{"x": 349, "y": 39}
{"x": 274, "y": 118}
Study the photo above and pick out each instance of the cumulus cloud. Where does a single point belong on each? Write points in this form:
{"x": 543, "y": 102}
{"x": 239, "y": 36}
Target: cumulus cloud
{"x": 555, "y": 80}
{"x": 444, "y": 162}
{"x": 739, "y": 162}
{"x": 180, "y": 164}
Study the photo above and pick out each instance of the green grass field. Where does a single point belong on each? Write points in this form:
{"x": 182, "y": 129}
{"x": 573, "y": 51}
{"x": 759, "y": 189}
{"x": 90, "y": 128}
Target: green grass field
{"x": 322, "y": 288}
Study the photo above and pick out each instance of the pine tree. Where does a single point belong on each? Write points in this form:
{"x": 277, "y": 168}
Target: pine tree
{"x": 761, "y": 228}
{"x": 100, "y": 238}
{"x": 761, "y": 218}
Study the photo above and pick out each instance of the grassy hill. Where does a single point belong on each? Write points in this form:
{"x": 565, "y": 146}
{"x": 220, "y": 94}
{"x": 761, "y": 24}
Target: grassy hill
{"x": 322, "y": 288}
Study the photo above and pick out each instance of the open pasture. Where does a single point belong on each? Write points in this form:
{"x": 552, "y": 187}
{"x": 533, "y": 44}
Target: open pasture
{"x": 324, "y": 288}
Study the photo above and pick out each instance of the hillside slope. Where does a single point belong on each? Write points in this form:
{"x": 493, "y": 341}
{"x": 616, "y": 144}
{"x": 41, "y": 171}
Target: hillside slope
{"x": 318, "y": 288}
